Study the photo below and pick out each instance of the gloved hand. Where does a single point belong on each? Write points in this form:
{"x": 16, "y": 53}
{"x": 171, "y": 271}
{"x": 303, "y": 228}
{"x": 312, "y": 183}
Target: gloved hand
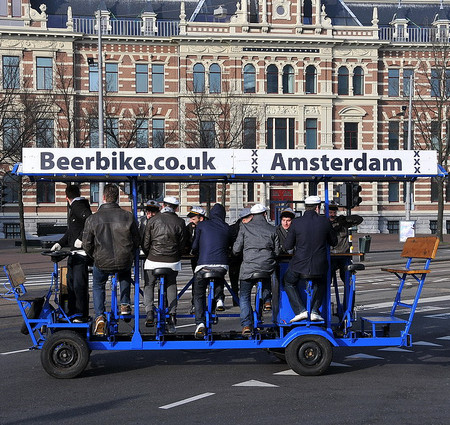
{"x": 56, "y": 247}
{"x": 77, "y": 244}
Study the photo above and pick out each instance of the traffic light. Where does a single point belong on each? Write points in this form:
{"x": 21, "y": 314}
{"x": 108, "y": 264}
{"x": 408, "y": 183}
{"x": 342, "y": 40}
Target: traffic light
{"x": 355, "y": 199}
{"x": 341, "y": 195}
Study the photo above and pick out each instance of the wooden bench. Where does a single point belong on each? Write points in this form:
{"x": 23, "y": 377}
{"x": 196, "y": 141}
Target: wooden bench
{"x": 419, "y": 252}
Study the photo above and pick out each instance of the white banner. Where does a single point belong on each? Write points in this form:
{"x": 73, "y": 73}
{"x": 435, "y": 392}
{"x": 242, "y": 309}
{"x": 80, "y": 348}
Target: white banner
{"x": 223, "y": 162}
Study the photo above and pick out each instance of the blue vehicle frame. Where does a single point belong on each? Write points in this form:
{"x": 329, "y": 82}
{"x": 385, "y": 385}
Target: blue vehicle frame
{"x": 65, "y": 345}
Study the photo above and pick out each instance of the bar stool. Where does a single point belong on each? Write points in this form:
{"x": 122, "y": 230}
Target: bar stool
{"x": 162, "y": 309}
{"x": 257, "y": 313}
{"x": 212, "y": 273}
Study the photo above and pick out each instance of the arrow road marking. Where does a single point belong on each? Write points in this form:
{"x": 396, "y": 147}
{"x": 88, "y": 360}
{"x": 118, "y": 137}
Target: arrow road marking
{"x": 254, "y": 383}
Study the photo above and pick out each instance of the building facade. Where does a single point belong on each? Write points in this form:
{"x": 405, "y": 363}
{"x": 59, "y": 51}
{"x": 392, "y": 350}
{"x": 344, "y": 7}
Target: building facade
{"x": 274, "y": 74}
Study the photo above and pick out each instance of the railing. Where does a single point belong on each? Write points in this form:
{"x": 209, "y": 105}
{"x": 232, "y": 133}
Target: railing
{"x": 413, "y": 35}
{"x": 127, "y": 27}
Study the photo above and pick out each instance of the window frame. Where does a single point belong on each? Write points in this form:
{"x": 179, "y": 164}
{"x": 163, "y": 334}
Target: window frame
{"x": 111, "y": 77}
{"x": 249, "y": 78}
{"x": 343, "y": 80}
{"x": 215, "y": 78}
{"x": 288, "y": 79}
{"x": 158, "y": 77}
{"x": 158, "y": 132}
{"x": 10, "y": 73}
{"x": 311, "y": 79}
{"x": 393, "y": 82}
{"x": 141, "y": 72}
{"x": 198, "y": 80}
{"x": 44, "y": 73}
{"x": 358, "y": 81}
{"x": 272, "y": 79}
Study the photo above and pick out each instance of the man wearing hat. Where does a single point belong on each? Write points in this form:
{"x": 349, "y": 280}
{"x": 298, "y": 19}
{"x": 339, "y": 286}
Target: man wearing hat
{"x": 195, "y": 215}
{"x": 163, "y": 243}
{"x": 235, "y": 262}
{"x": 286, "y": 217}
{"x": 259, "y": 243}
{"x": 310, "y": 235}
{"x": 151, "y": 208}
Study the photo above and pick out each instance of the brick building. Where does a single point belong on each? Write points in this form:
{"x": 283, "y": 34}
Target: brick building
{"x": 272, "y": 74}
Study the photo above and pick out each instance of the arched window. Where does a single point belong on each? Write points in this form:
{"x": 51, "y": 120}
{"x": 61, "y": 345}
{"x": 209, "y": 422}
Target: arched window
{"x": 311, "y": 79}
{"x": 307, "y": 12}
{"x": 199, "y": 78}
{"x": 272, "y": 79}
{"x": 288, "y": 79}
{"x": 343, "y": 80}
{"x": 249, "y": 79}
{"x": 215, "y": 79}
{"x": 358, "y": 81}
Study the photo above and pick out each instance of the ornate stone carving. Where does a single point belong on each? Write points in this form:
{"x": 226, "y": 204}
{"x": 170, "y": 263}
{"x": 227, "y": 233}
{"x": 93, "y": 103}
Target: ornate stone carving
{"x": 282, "y": 110}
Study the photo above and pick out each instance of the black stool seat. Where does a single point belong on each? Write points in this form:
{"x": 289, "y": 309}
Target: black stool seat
{"x": 213, "y": 272}
{"x": 161, "y": 271}
{"x": 356, "y": 266}
{"x": 310, "y": 276}
{"x": 260, "y": 275}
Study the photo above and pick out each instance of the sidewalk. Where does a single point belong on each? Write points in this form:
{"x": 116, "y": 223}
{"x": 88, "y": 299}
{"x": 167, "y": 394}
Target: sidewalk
{"x": 35, "y": 262}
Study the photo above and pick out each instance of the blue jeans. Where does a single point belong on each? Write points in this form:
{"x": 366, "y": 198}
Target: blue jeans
{"x": 291, "y": 281}
{"x": 99, "y": 278}
{"x": 245, "y": 301}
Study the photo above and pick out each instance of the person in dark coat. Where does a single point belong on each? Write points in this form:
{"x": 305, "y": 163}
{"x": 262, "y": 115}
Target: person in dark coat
{"x": 78, "y": 262}
{"x": 259, "y": 243}
{"x": 211, "y": 242}
{"x": 111, "y": 238}
{"x": 310, "y": 235}
{"x": 286, "y": 217}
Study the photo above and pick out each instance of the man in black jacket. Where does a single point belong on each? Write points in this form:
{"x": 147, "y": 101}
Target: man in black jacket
{"x": 311, "y": 235}
{"x": 77, "y": 264}
{"x": 163, "y": 244}
{"x": 111, "y": 238}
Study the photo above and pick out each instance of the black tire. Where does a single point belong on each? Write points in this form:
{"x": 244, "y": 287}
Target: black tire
{"x": 64, "y": 355}
{"x": 309, "y": 355}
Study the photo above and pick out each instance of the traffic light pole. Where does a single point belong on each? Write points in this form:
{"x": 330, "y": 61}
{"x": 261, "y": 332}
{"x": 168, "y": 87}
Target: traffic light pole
{"x": 409, "y": 146}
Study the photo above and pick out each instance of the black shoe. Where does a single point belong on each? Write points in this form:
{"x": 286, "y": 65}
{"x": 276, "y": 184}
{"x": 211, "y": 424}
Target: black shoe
{"x": 150, "y": 319}
{"x": 171, "y": 323}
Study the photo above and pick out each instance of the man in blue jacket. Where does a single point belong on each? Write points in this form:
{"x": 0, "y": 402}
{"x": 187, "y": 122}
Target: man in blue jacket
{"x": 311, "y": 235}
{"x": 211, "y": 241}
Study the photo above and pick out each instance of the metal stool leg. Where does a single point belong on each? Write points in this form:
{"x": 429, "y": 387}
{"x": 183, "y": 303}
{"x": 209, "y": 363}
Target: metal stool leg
{"x": 257, "y": 316}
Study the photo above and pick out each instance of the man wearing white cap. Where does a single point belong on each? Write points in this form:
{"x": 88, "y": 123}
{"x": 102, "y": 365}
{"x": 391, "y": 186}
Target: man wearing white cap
{"x": 259, "y": 243}
{"x": 310, "y": 235}
{"x": 163, "y": 243}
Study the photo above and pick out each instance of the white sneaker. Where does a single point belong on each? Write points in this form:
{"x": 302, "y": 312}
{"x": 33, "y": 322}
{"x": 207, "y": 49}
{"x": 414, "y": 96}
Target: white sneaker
{"x": 200, "y": 331}
{"x": 302, "y": 316}
{"x": 316, "y": 317}
{"x": 220, "y": 306}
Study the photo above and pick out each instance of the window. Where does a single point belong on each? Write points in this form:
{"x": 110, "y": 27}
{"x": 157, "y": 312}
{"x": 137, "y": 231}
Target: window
{"x": 93, "y": 77}
{"x": 358, "y": 81}
{"x": 11, "y": 133}
{"x": 11, "y": 72}
{"x": 215, "y": 79}
{"x": 141, "y": 133}
{"x": 251, "y": 192}
{"x": 199, "y": 78}
{"x": 157, "y": 78}
{"x": 434, "y": 190}
{"x": 11, "y": 188}
{"x": 407, "y": 74}
{"x": 93, "y": 133}
{"x": 44, "y": 133}
{"x": 249, "y": 141}
{"x": 435, "y": 83}
{"x": 150, "y": 190}
{"x": 351, "y": 135}
{"x": 393, "y": 227}
{"x": 207, "y": 134}
{"x": 158, "y": 137}
{"x": 405, "y": 134}
{"x": 435, "y": 135}
{"x": 280, "y": 133}
{"x": 343, "y": 80}
{"x": 141, "y": 78}
{"x": 272, "y": 79}
{"x": 17, "y": 8}
{"x": 393, "y": 136}
{"x": 45, "y": 192}
{"x": 311, "y": 133}
{"x": 249, "y": 79}
{"x": 112, "y": 77}
{"x": 310, "y": 79}
{"x": 93, "y": 192}
{"x": 447, "y": 83}
{"x": 393, "y": 195}
{"x": 207, "y": 192}
{"x": 288, "y": 79}
{"x": 112, "y": 133}
{"x": 433, "y": 226}
{"x": 3, "y": 7}
{"x": 307, "y": 12}
{"x": 393, "y": 82}
{"x": 44, "y": 73}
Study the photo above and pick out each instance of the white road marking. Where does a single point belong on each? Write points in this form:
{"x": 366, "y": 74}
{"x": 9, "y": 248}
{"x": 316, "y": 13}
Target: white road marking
{"x": 439, "y": 316}
{"x": 254, "y": 383}
{"x": 360, "y": 356}
{"x": 444, "y": 337}
{"x": 288, "y": 372}
{"x": 186, "y": 400}
{"x": 428, "y": 344}
{"x": 15, "y": 352}
{"x": 394, "y": 349}
{"x": 422, "y": 300}
{"x": 335, "y": 364}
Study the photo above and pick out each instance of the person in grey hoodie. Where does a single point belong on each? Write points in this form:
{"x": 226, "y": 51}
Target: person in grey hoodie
{"x": 259, "y": 243}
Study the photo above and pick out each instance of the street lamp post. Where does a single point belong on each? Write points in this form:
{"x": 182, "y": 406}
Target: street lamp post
{"x": 409, "y": 147}
{"x": 100, "y": 98}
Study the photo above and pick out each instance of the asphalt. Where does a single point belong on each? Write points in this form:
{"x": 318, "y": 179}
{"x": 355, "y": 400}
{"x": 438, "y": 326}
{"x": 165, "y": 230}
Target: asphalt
{"x": 384, "y": 248}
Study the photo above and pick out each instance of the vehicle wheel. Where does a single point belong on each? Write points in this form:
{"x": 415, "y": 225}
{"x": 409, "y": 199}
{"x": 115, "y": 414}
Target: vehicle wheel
{"x": 64, "y": 355}
{"x": 309, "y": 355}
